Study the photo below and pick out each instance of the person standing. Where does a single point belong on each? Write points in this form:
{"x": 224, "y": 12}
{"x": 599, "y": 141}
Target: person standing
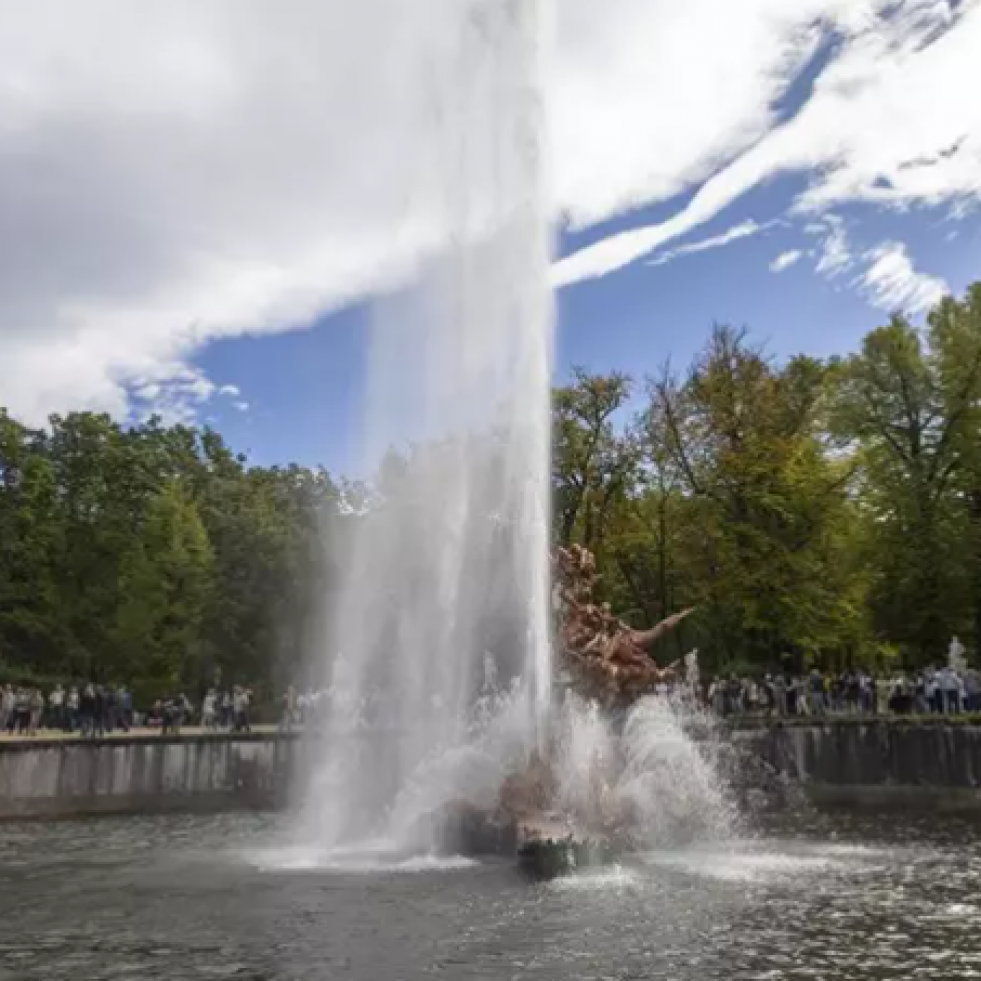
{"x": 227, "y": 710}
{"x": 7, "y": 700}
{"x": 187, "y": 709}
{"x": 22, "y": 711}
{"x": 780, "y": 694}
{"x": 35, "y": 711}
{"x": 112, "y": 708}
{"x": 934, "y": 693}
{"x": 86, "y": 711}
{"x": 209, "y": 711}
{"x": 816, "y": 686}
{"x": 73, "y": 703}
{"x": 950, "y": 684}
{"x": 920, "y": 700}
{"x": 972, "y": 690}
{"x": 241, "y": 703}
{"x": 866, "y": 692}
{"x": 238, "y": 709}
{"x": 169, "y": 716}
{"x": 97, "y": 710}
{"x": 289, "y": 709}
{"x": 56, "y": 708}
{"x": 125, "y": 708}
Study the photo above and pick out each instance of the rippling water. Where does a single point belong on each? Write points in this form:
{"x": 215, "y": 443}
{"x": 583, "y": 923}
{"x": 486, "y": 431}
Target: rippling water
{"x": 175, "y": 898}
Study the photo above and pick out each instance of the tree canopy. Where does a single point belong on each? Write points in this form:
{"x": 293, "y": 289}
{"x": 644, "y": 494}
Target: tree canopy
{"x": 823, "y": 511}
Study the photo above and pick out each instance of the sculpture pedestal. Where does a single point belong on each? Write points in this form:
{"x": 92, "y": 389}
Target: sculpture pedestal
{"x": 548, "y": 849}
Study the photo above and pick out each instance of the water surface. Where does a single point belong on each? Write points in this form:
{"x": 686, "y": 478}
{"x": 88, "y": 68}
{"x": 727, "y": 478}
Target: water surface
{"x": 822, "y": 897}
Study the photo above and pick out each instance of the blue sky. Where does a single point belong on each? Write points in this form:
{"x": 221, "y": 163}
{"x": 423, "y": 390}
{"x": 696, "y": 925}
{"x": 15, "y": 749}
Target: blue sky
{"x": 305, "y": 389}
{"x": 198, "y": 206}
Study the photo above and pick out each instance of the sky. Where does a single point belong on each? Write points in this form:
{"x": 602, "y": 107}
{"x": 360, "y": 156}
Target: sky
{"x": 201, "y": 200}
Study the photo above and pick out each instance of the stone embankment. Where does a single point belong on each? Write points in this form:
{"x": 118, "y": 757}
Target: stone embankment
{"x": 847, "y": 761}
{"x": 929, "y": 762}
{"x": 60, "y": 777}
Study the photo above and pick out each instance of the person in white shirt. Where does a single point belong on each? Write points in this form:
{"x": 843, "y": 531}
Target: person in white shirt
{"x": 949, "y": 687}
{"x": 209, "y": 711}
{"x": 56, "y": 706}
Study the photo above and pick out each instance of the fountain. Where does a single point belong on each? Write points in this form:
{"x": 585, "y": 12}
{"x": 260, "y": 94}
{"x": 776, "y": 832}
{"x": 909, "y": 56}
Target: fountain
{"x": 621, "y": 773}
{"x": 448, "y": 569}
{"x": 441, "y": 723}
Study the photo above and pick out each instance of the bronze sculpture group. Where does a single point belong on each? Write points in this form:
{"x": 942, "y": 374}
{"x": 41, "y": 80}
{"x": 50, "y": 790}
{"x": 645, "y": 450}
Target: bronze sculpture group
{"x": 608, "y": 662}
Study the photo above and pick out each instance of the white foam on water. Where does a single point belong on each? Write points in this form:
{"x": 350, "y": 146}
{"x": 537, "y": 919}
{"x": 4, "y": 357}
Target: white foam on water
{"x": 615, "y": 877}
{"x": 760, "y": 862}
{"x": 349, "y": 861}
{"x": 656, "y": 782}
{"x": 962, "y": 909}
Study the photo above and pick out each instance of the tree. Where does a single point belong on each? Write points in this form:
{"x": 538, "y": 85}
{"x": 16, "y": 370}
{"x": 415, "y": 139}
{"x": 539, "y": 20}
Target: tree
{"x": 743, "y": 436}
{"x": 817, "y": 510}
{"x": 31, "y": 535}
{"x": 166, "y": 583}
{"x": 593, "y": 461}
{"x": 909, "y": 402}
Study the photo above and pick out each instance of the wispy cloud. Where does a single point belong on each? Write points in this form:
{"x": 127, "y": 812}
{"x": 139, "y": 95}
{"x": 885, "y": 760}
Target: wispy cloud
{"x": 734, "y": 234}
{"x": 834, "y": 252}
{"x": 212, "y": 170}
{"x": 891, "y": 121}
{"x": 785, "y": 260}
{"x": 892, "y": 283}
{"x": 176, "y": 392}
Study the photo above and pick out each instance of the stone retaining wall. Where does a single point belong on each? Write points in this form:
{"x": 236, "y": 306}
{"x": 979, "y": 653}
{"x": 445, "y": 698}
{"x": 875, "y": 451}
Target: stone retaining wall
{"x": 851, "y": 762}
{"x": 874, "y": 762}
{"x": 144, "y": 775}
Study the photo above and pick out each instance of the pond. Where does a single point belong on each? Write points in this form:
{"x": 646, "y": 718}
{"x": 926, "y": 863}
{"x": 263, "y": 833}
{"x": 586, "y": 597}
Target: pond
{"x": 820, "y": 896}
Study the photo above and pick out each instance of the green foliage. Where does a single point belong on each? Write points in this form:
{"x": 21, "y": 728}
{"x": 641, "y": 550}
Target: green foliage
{"x": 594, "y": 462}
{"x": 818, "y": 512}
{"x": 909, "y": 402}
{"x": 153, "y": 555}
{"x": 821, "y": 513}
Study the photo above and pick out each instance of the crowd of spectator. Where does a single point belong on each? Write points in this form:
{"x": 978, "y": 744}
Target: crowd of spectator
{"x": 933, "y": 691}
{"x": 92, "y": 710}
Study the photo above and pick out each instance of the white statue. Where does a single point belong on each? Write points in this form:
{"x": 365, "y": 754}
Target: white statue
{"x": 956, "y": 656}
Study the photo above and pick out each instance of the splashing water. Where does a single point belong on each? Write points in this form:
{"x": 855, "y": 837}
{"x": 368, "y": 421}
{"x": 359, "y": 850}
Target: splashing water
{"x": 669, "y": 782}
{"x": 446, "y": 582}
{"x": 437, "y": 664}
{"x": 650, "y": 779}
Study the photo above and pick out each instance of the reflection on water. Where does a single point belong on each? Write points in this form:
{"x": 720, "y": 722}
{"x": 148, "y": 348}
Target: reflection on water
{"x": 175, "y": 898}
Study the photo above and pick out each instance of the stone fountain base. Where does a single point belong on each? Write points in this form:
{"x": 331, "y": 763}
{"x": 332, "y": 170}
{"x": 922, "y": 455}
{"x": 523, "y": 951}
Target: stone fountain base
{"x": 547, "y": 850}
{"x": 543, "y": 845}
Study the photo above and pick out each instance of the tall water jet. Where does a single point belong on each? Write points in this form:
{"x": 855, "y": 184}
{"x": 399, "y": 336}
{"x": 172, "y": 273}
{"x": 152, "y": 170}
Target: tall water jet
{"x": 437, "y": 661}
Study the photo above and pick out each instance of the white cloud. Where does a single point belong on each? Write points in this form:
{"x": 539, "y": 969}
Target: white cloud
{"x": 888, "y": 278}
{"x": 734, "y": 234}
{"x": 175, "y": 392}
{"x": 204, "y": 170}
{"x": 893, "y": 119}
{"x": 892, "y": 283}
{"x": 835, "y": 251}
{"x": 785, "y": 260}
